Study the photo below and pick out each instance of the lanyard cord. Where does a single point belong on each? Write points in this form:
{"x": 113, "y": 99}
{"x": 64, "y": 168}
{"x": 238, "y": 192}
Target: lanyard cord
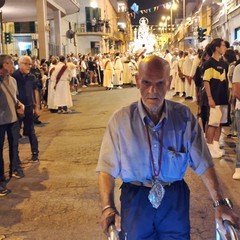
{"x": 155, "y": 172}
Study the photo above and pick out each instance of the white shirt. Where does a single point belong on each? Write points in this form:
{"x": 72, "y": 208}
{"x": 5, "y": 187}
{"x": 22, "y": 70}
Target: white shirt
{"x": 236, "y": 79}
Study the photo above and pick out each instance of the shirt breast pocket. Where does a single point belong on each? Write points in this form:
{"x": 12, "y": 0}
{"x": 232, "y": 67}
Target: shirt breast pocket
{"x": 174, "y": 164}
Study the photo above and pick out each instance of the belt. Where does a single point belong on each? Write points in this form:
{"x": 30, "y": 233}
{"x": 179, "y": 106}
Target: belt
{"x": 149, "y": 184}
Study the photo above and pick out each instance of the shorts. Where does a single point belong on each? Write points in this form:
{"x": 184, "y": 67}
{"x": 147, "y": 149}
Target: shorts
{"x": 218, "y": 115}
{"x": 83, "y": 75}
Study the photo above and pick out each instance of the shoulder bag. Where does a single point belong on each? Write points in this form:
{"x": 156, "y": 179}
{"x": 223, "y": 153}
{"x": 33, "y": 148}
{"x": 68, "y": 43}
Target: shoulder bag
{"x": 19, "y": 112}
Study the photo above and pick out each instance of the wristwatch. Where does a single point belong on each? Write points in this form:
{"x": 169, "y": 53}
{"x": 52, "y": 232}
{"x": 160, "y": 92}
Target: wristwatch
{"x": 223, "y": 202}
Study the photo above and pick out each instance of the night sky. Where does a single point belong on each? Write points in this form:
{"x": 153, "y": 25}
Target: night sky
{"x": 153, "y": 17}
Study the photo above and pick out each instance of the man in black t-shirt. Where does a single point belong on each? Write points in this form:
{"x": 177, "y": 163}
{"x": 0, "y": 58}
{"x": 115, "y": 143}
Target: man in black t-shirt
{"x": 28, "y": 94}
{"x": 216, "y": 86}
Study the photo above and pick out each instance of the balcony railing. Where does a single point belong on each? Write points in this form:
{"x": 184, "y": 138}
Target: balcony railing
{"x": 88, "y": 28}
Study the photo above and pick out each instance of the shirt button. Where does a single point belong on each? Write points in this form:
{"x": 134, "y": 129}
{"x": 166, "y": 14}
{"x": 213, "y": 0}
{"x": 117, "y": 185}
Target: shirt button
{"x": 155, "y": 145}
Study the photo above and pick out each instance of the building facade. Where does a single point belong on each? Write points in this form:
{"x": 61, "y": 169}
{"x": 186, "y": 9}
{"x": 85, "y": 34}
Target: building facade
{"x": 29, "y": 24}
{"x": 220, "y": 18}
{"x": 58, "y": 27}
{"x": 102, "y": 26}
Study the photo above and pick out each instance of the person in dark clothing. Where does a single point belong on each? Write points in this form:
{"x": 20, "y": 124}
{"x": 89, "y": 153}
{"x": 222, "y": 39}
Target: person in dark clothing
{"x": 216, "y": 86}
{"x": 202, "y": 97}
{"x": 35, "y": 70}
{"x": 28, "y": 94}
{"x": 92, "y": 68}
{"x": 230, "y": 58}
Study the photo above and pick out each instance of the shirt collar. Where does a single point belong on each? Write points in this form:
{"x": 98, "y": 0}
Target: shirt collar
{"x": 143, "y": 114}
{"x": 24, "y": 75}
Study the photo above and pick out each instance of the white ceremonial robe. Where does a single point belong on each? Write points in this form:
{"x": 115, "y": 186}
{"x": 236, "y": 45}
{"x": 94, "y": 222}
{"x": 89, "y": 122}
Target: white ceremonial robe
{"x": 133, "y": 67}
{"x": 108, "y": 74}
{"x": 187, "y": 67}
{"x": 179, "y": 83}
{"x": 118, "y": 69}
{"x": 62, "y": 95}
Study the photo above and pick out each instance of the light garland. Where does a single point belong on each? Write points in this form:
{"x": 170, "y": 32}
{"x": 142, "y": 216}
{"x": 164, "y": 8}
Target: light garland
{"x": 150, "y": 10}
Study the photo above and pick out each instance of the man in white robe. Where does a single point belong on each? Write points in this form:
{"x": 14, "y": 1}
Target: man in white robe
{"x": 118, "y": 68}
{"x": 61, "y": 78}
{"x": 189, "y": 84}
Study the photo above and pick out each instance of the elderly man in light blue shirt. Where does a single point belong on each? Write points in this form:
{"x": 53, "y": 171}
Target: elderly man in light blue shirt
{"x": 149, "y": 145}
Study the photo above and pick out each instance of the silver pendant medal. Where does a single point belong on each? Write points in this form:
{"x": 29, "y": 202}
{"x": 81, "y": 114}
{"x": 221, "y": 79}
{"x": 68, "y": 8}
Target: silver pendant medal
{"x": 156, "y": 193}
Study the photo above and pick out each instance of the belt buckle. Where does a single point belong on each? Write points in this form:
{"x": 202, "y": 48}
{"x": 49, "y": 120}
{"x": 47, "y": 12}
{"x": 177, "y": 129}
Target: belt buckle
{"x": 165, "y": 183}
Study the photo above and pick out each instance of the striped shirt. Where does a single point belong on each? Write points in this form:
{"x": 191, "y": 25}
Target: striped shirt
{"x": 215, "y": 74}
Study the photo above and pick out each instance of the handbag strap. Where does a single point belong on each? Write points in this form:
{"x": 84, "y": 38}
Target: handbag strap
{"x": 9, "y": 92}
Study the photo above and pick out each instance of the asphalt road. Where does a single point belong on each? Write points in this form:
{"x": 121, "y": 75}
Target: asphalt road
{"x": 58, "y": 198}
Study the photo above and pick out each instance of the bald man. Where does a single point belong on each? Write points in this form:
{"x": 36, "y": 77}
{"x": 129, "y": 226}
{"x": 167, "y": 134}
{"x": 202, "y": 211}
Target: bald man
{"x": 149, "y": 145}
{"x": 28, "y": 94}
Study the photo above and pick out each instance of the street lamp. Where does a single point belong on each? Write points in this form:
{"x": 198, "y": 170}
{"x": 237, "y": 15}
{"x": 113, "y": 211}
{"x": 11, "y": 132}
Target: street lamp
{"x": 164, "y": 18}
{"x": 172, "y": 6}
{"x": 161, "y": 27}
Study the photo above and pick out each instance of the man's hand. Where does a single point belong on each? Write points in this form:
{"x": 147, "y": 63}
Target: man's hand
{"x": 37, "y": 110}
{"x": 211, "y": 102}
{"x": 225, "y": 213}
{"x": 110, "y": 216}
{"x": 21, "y": 107}
{"x": 222, "y": 212}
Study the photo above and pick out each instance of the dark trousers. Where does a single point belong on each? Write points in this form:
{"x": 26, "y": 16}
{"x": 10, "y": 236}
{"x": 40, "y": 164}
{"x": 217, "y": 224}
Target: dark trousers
{"x": 12, "y": 130}
{"x": 205, "y": 116}
{"x": 140, "y": 221}
{"x": 101, "y": 77}
{"x": 28, "y": 129}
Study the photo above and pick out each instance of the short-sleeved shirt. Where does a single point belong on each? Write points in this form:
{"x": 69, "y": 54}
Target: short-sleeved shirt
{"x": 215, "y": 74}
{"x": 236, "y": 79}
{"x": 125, "y": 151}
{"x": 7, "y": 104}
{"x": 26, "y": 85}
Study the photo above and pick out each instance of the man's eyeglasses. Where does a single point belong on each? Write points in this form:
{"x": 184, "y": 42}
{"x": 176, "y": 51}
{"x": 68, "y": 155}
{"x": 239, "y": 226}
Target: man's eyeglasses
{"x": 25, "y": 63}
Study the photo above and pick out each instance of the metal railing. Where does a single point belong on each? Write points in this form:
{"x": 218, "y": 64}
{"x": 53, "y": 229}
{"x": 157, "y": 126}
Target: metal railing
{"x": 112, "y": 233}
{"x": 230, "y": 232}
{"x": 87, "y": 28}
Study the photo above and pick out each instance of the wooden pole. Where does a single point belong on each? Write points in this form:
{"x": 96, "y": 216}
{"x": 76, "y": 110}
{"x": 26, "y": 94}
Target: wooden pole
{"x": 1, "y": 25}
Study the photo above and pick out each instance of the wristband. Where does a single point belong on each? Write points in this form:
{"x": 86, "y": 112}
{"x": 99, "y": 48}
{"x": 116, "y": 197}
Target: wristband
{"x": 107, "y": 207}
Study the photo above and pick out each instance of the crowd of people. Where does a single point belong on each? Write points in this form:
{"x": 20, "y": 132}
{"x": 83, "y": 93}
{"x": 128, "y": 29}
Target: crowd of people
{"x": 150, "y": 144}
{"x": 209, "y": 76}
{"x": 28, "y": 85}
